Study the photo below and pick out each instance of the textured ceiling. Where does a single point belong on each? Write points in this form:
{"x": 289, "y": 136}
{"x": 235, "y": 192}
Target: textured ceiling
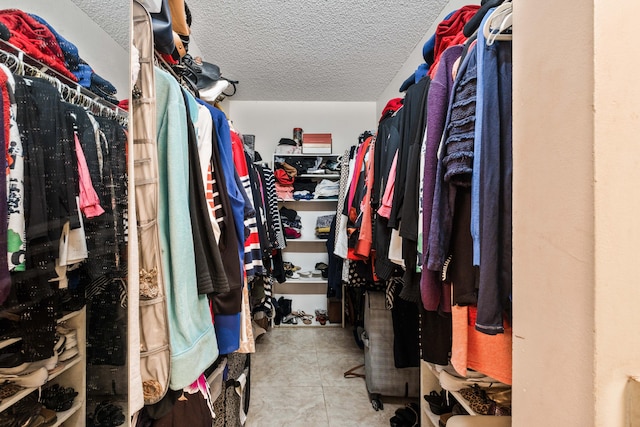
{"x": 297, "y": 50}
{"x": 112, "y": 16}
{"x": 310, "y": 50}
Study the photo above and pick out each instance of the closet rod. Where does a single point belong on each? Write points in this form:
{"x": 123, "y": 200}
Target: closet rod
{"x": 20, "y": 62}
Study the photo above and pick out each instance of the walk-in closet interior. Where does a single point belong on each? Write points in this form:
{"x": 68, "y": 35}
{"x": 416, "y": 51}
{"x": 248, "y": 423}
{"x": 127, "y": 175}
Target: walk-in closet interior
{"x": 237, "y": 213}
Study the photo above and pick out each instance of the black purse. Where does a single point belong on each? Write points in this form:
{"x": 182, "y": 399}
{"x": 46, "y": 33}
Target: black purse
{"x": 162, "y": 31}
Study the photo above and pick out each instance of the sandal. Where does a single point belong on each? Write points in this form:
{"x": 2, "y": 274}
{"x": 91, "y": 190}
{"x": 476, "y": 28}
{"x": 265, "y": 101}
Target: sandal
{"x": 306, "y": 318}
{"x": 322, "y": 316}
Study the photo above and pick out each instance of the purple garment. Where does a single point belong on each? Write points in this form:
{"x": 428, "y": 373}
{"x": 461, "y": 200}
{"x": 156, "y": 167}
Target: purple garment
{"x": 437, "y": 105}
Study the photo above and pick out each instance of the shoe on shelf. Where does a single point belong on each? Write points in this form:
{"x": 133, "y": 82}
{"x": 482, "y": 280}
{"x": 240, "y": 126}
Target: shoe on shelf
{"x": 29, "y": 380}
{"x": 68, "y": 353}
{"x": 12, "y": 363}
{"x": 290, "y": 266}
{"x": 9, "y": 389}
{"x": 306, "y": 318}
{"x": 58, "y": 398}
{"x": 48, "y": 364}
{"x": 322, "y": 316}
{"x": 290, "y": 319}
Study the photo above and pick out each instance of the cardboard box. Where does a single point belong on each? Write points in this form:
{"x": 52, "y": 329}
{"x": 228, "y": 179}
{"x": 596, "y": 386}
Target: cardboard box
{"x": 316, "y": 143}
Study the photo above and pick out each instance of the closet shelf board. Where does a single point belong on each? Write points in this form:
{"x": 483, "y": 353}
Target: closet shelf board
{"x": 64, "y": 366}
{"x": 68, "y": 316}
{"x": 307, "y": 201}
{"x": 65, "y": 415}
{"x": 463, "y": 402}
{"x": 22, "y": 393}
{"x": 7, "y": 343}
{"x": 314, "y": 324}
{"x": 433, "y": 418}
{"x": 319, "y": 175}
{"x": 306, "y": 241}
{"x": 7, "y": 403}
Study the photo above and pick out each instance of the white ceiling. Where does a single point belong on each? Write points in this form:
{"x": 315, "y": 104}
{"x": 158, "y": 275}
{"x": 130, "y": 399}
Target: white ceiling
{"x": 299, "y": 50}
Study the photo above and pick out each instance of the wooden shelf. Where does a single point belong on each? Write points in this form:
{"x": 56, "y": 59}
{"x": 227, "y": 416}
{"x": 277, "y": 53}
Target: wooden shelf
{"x": 307, "y": 155}
{"x": 305, "y": 281}
{"x": 8, "y": 402}
{"x": 461, "y": 400}
{"x": 7, "y": 343}
{"x": 319, "y": 175}
{"x": 308, "y": 201}
{"x": 435, "y": 419}
{"x": 64, "y": 366}
{"x": 69, "y": 316}
{"x": 65, "y": 415}
{"x": 306, "y": 241}
{"x": 314, "y": 324}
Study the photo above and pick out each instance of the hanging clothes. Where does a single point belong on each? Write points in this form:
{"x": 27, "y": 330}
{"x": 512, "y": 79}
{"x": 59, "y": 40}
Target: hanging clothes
{"x": 496, "y": 174}
{"x": 191, "y": 332}
{"x": 209, "y": 268}
{"x": 432, "y": 292}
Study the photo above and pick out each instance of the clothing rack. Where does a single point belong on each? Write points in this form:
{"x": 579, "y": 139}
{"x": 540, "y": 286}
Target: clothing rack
{"x": 22, "y": 64}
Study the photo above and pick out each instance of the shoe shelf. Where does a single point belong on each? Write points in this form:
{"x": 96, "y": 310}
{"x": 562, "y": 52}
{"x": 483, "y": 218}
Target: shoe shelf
{"x": 307, "y": 201}
{"x": 69, "y": 316}
{"x": 314, "y": 324}
{"x": 461, "y": 400}
{"x": 303, "y": 287}
{"x": 433, "y": 418}
{"x": 65, "y": 415}
{"x": 8, "y": 342}
{"x": 9, "y": 401}
{"x": 64, "y": 366}
{"x": 305, "y": 280}
{"x": 60, "y": 369}
{"x": 319, "y": 175}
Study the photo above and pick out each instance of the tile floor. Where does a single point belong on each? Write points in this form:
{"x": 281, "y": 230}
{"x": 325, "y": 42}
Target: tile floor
{"x": 297, "y": 381}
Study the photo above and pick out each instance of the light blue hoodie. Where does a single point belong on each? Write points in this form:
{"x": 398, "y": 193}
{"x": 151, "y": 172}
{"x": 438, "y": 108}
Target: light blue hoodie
{"x": 191, "y": 333}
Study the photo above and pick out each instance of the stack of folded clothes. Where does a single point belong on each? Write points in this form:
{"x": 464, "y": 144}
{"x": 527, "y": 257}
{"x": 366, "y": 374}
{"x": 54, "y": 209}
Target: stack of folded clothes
{"x": 302, "y": 195}
{"x": 327, "y": 189}
{"x": 323, "y": 226}
{"x": 291, "y": 222}
{"x": 285, "y": 176}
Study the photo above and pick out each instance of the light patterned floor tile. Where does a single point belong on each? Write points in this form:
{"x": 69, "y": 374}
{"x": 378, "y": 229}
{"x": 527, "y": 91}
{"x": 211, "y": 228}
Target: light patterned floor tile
{"x": 287, "y": 407}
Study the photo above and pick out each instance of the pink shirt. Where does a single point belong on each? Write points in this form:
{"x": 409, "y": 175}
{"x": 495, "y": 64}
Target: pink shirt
{"x": 89, "y": 201}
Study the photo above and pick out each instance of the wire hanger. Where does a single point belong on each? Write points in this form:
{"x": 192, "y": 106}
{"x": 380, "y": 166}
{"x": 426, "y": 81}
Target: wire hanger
{"x": 16, "y": 60}
{"x": 500, "y": 21}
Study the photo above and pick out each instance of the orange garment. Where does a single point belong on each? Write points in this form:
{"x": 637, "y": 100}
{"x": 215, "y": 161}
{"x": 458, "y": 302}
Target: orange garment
{"x": 471, "y": 349}
{"x": 365, "y": 239}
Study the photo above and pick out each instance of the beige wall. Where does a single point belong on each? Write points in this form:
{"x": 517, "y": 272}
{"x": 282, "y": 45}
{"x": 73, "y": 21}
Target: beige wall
{"x": 617, "y": 206}
{"x": 271, "y": 120}
{"x": 553, "y": 235}
{"x": 576, "y": 199}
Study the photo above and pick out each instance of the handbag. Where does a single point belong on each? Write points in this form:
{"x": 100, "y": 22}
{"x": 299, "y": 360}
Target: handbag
{"x": 162, "y": 29}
